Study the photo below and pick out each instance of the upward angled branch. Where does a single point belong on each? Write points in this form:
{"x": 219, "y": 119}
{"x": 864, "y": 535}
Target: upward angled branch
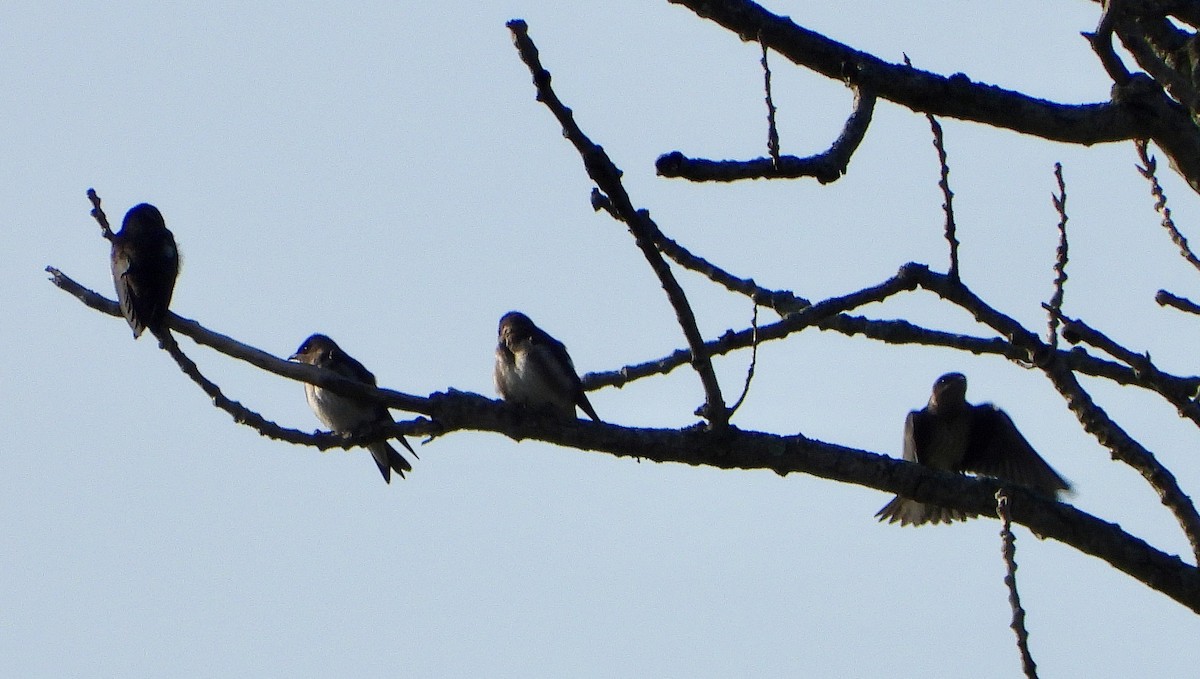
{"x": 645, "y": 232}
{"x": 1147, "y": 169}
{"x": 1093, "y": 418}
{"x": 1060, "y": 259}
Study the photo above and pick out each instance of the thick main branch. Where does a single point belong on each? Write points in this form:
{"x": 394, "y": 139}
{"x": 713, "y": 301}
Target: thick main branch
{"x": 1139, "y": 108}
{"x": 730, "y": 448}
{"x": 955, "y": 96}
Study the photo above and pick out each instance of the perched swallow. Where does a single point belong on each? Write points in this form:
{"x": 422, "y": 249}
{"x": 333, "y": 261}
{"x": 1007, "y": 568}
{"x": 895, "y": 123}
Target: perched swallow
{"x": 534, "y": 369}
{"x": 145, "y": 263}
{"x": 346, "y": 415}
{"x": 953, "y": 435}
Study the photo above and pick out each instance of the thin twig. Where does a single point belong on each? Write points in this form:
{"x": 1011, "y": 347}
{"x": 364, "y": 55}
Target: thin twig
{"x": 939, "y": 143}
{"x": 1008, "y": 548}
{"x": 645, "y": 232}
{"x": 98, "y": 214}
{"x": 947, "y": 194}
{"x": 1060, "y": 262}
{"x": 1147, "y": 170}
{"x": 753, "y": 361}
{"x": 772, "y": 131}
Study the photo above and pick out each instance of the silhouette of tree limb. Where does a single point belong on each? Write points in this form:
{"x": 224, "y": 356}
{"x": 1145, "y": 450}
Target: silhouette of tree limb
{"x": 1008, "y": 548}
{"x": 825, "y": 167}
{"x": 728, "y": 448}
{"x": 645, "y": 232}
{"x": 1139, "y": 107}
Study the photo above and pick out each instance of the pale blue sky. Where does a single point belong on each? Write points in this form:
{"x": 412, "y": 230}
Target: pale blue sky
{"x": 383, "y": 174}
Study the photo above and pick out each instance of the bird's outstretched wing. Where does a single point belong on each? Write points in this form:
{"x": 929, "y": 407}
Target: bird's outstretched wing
{"x": 998, "y": 449}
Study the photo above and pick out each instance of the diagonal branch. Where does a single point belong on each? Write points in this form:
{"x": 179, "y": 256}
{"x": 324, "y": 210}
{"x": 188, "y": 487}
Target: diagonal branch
{"x": 1093, "y": 418}
{"x": 1147, "y": 169}
{"x": 1160, "y": 48}
{"x": 645, "y": 232}
{"x": 1101, "y": 42}
{"x": 99, "y": 216}
{"x": 832, "y": 316}
{"x": 1180, "y": 393}
{"x": 782, "y": 302}
{"x": 258, "y": 358}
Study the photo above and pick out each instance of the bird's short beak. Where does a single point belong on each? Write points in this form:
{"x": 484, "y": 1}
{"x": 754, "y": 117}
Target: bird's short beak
{"x": 294, "y": 357}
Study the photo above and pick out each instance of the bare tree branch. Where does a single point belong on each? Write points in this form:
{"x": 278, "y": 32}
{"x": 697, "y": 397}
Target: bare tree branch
{"x": 1165, "y": 298}
{"x": 1060, "y": 260}
{"x": 1101, "y": 42}
{"x": 826, "y": 167}
{"x": 99, "y": 216}
{"x": 1179, "y": 393}
{"x": 753, "y": 362}
{"x": 1160, "y": 48}
{"x": 921, "y": 91}
{"x": 645, "y": 232}
{"x": 1008, "y": 548}
{"x": 939, "y": 143}
{"x": 1147, "y": 170}
{"x": 1186, "y": 11}
{"x": 262, "y": 360}
{"x": 729, "y": 448}
{"x": 772, "y": 130}
{"x": 1139, "y": 108}
{"x": 1093, "y": 418}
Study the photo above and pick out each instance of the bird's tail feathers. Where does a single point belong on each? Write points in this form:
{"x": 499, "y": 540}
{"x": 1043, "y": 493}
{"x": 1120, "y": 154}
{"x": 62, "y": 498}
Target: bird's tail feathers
{"x": 904, "y": 511}
{"x": 387, "y": 459}
{"x": 583, "y": 402}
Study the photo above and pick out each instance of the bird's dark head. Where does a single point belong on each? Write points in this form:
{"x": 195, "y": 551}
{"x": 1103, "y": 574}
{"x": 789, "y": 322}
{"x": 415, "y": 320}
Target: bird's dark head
{"x": 316, "y": 350}
{"x": 142, "y": 219}
{"x": 514, "y": 327}
{"x": 949, "y": 391}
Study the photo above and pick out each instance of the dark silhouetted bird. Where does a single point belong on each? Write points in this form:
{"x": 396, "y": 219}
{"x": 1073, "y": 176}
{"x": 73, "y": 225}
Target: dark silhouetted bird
{"x": 347, "y": 415}
{"x": 145, "y": 263}
{"x": 953, "y": 435}
{"x": 534, "y": 369}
